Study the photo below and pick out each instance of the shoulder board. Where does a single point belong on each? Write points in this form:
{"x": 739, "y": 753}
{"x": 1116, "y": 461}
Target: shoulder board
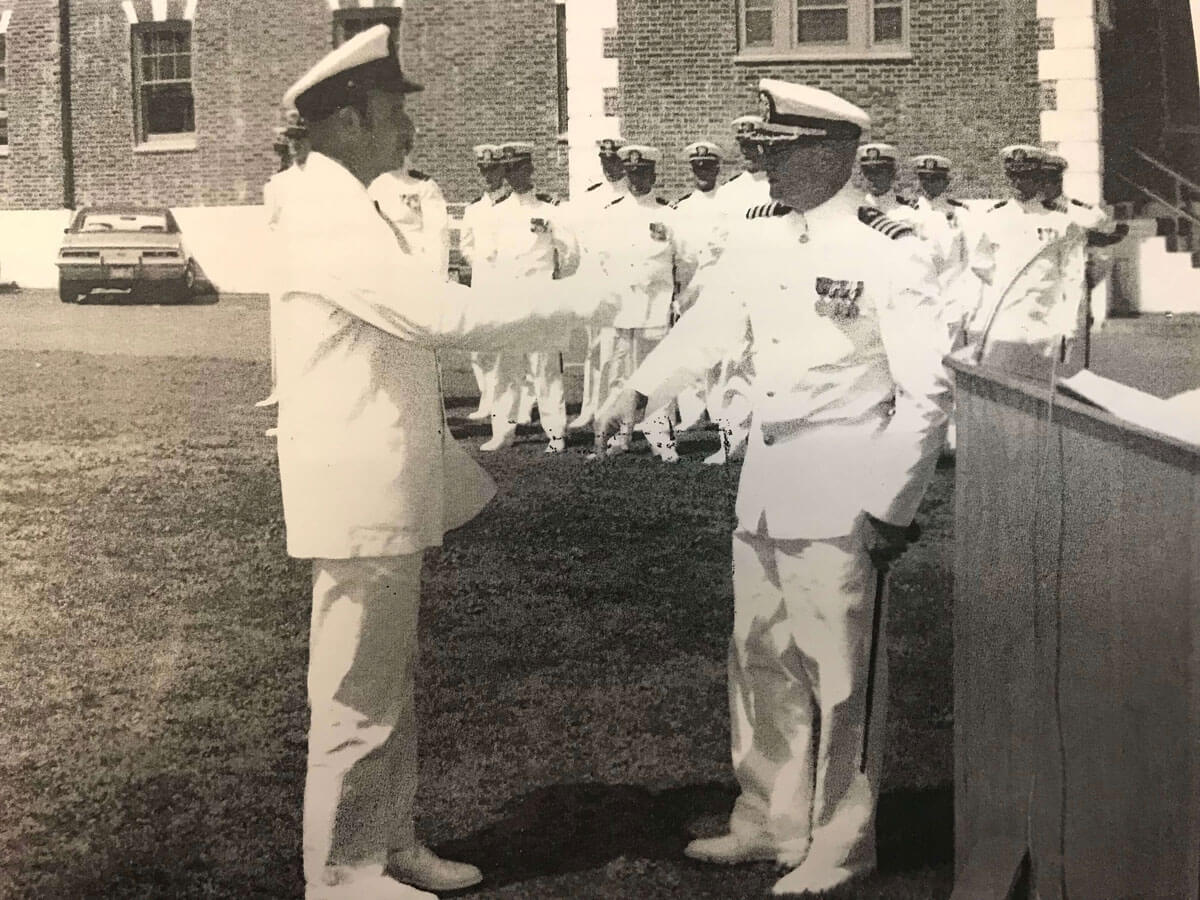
{"x": 1081, "y": 203}
{"x": 417, "y": 174}
{"x": 615, "y": 202}
{"x": 907, "y": 201}
{"x": 768, "y": 210}
{"x": 736, "y": 177}
{"x": 546, "y": 198}
{"x": 505, "y": 197}
{"x": 953, "y": 202}
{"x": 661, "y": 202}
{"x": 1000, "y": 204}
{"x": 477, "y": 199}
{"x": 681, "y": 199}
{"x": 875, "y": 218}
{"x": 592, "y": 187}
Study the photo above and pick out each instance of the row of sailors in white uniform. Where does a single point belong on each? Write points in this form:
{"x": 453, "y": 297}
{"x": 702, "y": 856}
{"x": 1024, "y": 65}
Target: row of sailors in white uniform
{"x": 1012, "y": 275}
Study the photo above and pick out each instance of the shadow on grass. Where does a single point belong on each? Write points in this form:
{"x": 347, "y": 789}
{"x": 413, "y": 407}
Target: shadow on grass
{"x": 576, "y": 827}
{"x": 568, "y": 828}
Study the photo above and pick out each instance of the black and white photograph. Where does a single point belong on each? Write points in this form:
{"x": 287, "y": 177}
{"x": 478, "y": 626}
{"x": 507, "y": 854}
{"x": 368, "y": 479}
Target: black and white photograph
{"x": 599, "y": 449}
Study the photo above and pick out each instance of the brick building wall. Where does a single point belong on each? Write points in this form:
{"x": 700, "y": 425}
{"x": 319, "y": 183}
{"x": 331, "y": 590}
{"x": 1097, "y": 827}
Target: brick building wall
{"x": 970, "y": 88}
{"x": 31, "y": 175}
{"x": 489, "y": 67}
{"x": 244, "y": 55}
{"x": 490, "y": 74}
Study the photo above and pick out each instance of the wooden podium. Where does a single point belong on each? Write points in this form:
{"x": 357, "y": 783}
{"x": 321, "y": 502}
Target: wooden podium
{"x": 1076, "y": 650}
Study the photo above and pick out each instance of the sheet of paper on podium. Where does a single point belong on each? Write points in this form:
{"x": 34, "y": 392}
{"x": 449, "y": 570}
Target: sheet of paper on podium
{"x": 1177, "y": 417}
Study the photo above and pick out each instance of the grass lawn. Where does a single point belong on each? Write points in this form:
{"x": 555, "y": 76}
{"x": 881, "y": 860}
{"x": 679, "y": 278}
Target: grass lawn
{"x": 153, "y": 640}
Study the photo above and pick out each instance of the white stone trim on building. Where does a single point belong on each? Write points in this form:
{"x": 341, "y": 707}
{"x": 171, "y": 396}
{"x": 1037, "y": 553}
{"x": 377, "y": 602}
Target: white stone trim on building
{"x": 1071, "y": 69}
{"x": 589, "y": 74}
{"x": 5, "y": 18}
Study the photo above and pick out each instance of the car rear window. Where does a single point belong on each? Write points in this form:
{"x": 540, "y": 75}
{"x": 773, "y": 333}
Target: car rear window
{"x": 108, "y": 221}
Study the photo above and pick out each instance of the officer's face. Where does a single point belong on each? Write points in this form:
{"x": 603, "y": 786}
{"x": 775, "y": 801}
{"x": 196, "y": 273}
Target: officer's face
{"x": 1052, "y": 185}
{"x": 387, "y": 130}
{"x": 805, "y": 173}
{"x": 751, "y": 155}
{"x": 933, "y": 184}
{"x": 613, "y": 168}
{"x": 519, "y": 174}
{"x": 641, "y": 179}
{"x": 880, "y": 178}
{"x": 704, "y": 173}
{"x": 493, "y": 176}
{"x": 298, "y": 149}
{"x": 1026, "y": 185}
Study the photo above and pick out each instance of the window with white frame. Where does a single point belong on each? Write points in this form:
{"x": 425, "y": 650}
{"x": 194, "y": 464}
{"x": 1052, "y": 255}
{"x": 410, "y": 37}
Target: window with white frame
{"x": 162, "y": 80}
{"x": 816, "y": 28}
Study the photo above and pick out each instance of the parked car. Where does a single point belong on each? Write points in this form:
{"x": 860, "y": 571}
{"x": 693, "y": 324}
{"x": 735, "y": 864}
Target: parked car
{"x": 124, "y": 247}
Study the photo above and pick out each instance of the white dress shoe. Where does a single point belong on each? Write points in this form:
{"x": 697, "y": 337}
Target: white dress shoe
{"x": 425, "y": 869}
{"x": 375, "y": 887}
{"x": 730, "y": 849}
{"x": 811, "y": 879}
{"x": 479, "y": 415}
{"x": 556, "y": 445}
{"x": 496, "y": 443}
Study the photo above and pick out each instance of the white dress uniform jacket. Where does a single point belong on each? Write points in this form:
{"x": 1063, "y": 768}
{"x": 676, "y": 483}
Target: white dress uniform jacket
{"x": 702, "y": 223}
{"x": 1023, "y": 255}
{"x": 365, "y": 461}
{"x": 635, "y": 250}
{"x": 943, "y": 225}
{"x": 414, "y": 204}
{"x": 823, "y": 445}
{"x": 895, "y": 205}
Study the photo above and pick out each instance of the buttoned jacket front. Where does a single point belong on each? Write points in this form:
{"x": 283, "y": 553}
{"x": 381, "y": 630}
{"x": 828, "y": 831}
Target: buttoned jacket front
{"x": 415, "y": 205}
{"x": 531, "y": 238}
{"x": 1023, "y": 254}
{"x": 841, "y": 324}
{"x": 366, "y": 465}
{"x": 634, "y": 248}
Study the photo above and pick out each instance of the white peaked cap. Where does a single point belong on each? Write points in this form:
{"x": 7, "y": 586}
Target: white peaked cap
{"x": 368, "y": 59}
{"x": 803, "y": 111}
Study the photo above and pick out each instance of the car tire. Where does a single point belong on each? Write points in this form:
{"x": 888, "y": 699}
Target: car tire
{"x": 69, "y": 291}
{"x": 185, "y": 287}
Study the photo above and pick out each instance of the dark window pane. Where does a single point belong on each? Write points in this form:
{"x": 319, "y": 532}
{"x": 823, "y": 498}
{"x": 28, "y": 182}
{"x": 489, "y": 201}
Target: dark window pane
{"x": 4, "y": 132}
{"x": 889, "y": 24}
{"x": 183, "y": 67}
{"x": 168, "y": 109}
{"x": 166, "y": 67}
{"x": 823, "y": 26}
{"x": 759, "y": 27}
{"x": 149, "y": 69}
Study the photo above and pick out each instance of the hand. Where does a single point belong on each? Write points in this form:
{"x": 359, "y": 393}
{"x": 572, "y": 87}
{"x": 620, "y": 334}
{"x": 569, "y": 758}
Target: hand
{"x": 886, "y": 543}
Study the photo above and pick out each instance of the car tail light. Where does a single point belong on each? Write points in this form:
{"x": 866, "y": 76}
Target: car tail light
{"x": 161, "y": 254}
{"x": 85, "y": 254}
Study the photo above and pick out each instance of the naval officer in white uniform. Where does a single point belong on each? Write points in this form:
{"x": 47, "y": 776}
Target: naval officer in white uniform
{"x": 370, "y": 476}
{"x": 476, "y": 241}
{"x": 849, "y": 405}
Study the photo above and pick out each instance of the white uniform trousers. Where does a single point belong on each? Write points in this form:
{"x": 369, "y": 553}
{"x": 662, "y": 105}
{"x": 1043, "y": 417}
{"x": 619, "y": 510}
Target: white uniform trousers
{"x": 630, "y": 347}
{"x": 513, "y": 401}
{"x": 728, "y": 398}
{"x": 484, "y": 367}
{"x": 362, "y": 742}
{"x": 596, "y": 372}
{"x": 798, "y": 663}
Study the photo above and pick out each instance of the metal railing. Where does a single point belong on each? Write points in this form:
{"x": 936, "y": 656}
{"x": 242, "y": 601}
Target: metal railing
{"x": 1182, "y": 191}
